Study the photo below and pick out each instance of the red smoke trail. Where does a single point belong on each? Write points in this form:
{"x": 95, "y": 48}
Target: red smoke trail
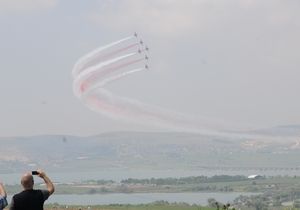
{"x": 97, "y": 76}
{"x": 86, "y": 84}
{"x": 102, "y": 104}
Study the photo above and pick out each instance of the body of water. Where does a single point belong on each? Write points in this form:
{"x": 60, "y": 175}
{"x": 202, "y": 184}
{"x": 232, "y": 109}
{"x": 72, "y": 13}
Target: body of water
{"x": 120, "y": 174}
{"x": 143, "y": 198}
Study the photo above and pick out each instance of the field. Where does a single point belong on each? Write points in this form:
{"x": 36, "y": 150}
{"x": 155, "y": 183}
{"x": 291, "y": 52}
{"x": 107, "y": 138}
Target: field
{"x": 148, "y": 207}
{"x": 276, "y": 193}
{"x": 130, "y": 207}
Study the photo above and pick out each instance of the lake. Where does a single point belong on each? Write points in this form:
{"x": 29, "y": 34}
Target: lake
{"x": 142, "y": 198}
{"x": 119, "y": 174}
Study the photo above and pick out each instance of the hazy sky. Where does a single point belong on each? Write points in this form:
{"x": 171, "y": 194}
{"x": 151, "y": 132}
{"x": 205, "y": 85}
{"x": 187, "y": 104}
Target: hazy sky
{"x": 231, "y": 60}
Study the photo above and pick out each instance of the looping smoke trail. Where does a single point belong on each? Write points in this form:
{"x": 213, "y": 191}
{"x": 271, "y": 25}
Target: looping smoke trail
{"x": 85, "y": 60}
{"x": 114, "y": 61}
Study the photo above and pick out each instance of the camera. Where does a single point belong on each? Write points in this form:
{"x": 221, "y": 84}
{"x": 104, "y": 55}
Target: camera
{"x": 34, "y": 172}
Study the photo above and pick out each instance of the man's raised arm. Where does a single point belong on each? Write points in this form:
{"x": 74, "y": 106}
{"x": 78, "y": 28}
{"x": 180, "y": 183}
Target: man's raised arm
{"x": 49, "y": 184}
{"x": 2, "y": 190}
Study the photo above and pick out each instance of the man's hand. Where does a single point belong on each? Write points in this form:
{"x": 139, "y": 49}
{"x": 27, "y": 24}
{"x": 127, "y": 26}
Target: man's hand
{"x": 41, "y": 173}
{"x": 48, "y": 182}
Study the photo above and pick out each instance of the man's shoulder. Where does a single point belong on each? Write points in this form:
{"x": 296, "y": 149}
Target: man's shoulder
{"x": 18, "y": 194}
{"x": 46, "y": 194}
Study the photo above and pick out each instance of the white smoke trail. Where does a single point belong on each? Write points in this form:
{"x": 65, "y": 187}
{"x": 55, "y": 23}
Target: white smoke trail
{"x": 102, "y": 83}
{"x": 104, "y": 65}
{"x": 98, "y": 67}
{"x": 79, "y": 66}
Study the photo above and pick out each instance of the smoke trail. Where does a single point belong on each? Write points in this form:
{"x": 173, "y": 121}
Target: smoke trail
{"x": 107, "y": 56}
{"x": 103, "y": 64}
{"x": 120, "y": 108}
{"x": 80, "y": 64}
{"x": 87, "y": 81}
{"x": 86, "y": 87}
{"x": 119, "y": 59}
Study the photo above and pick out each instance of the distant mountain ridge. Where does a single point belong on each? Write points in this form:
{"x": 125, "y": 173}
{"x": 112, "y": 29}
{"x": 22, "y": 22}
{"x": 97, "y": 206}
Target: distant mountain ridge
{"x": 285, "y": 130}
{"x": 152, "y": 150}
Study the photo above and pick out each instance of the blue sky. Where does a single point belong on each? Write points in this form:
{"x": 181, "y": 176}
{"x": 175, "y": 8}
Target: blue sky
{"x": 235, "y": 61}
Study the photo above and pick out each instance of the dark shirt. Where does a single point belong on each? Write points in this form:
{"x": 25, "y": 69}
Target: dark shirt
{"x": 3, "y": 202}
{"x": 29, "y": 200}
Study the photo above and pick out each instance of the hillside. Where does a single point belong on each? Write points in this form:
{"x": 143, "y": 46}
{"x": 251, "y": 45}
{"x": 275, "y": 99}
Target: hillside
{"x": 147, "y": 150}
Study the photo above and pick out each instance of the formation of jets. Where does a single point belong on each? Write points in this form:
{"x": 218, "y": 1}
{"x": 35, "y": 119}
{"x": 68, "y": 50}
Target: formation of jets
{"x": 145, "y": 49}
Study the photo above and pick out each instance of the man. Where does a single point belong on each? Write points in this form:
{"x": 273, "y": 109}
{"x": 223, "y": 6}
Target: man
{"x": 3, "y": 201}
{"x": 30, "y": 199}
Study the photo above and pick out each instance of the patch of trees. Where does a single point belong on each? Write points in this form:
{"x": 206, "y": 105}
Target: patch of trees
{"x": 185, "y": 180}
{"x": 269, "y": 199}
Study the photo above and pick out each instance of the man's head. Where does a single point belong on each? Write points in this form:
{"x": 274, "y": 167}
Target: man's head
{"x": 27, "y": 181}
